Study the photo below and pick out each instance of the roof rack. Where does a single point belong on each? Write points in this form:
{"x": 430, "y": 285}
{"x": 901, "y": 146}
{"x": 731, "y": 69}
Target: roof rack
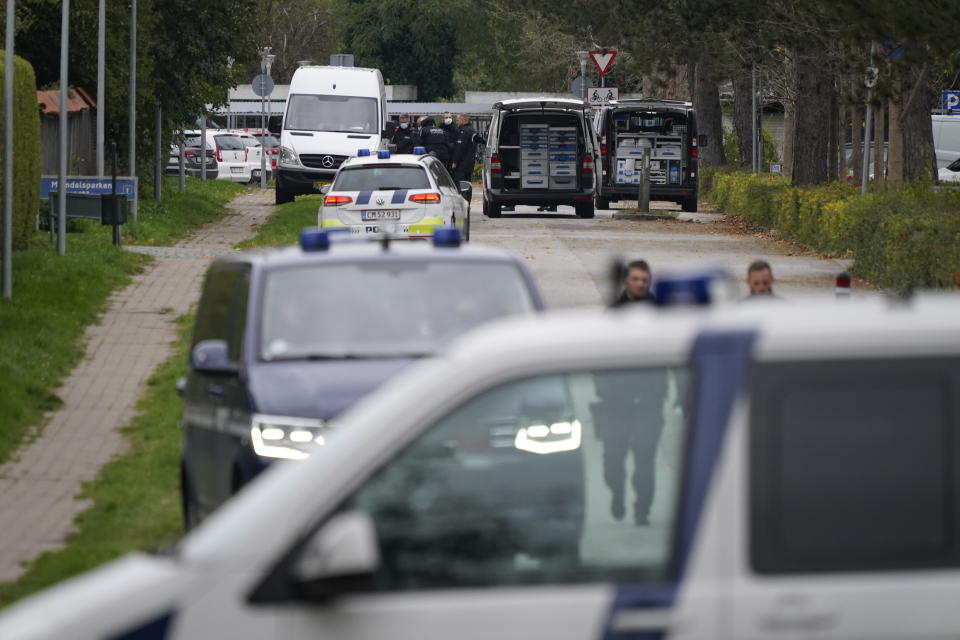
{"x": 663, "y": 100}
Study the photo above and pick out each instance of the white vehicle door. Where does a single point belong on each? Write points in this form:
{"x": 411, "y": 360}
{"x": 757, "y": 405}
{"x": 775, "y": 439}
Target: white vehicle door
{"x": 453, "y": 202}
{"x": 543, "y": 507}
{"x": 849, "y": 498}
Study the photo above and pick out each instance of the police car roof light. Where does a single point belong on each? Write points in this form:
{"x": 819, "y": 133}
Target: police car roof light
{"x": 313, "y": 239}
{"x": 696, "y": 288}
{"x": 419, "y": 151}
{"x": 362, "y": 153}
{"x": 383, "y": 154}
{"x": 446, "y": 237}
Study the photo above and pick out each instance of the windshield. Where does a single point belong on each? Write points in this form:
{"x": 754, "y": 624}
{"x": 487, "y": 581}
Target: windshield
{"x": 382, "y": 309}
{"x": 331, "y": 113}
{"x": 381, "y": 179}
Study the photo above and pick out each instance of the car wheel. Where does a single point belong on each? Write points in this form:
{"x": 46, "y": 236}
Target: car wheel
{"x": 689, "y": 204}
{"x": 603, "y": 203}
{"x": 188, "y": 501}
{"x": 585, "y": 210}
{"x": 491, "y": 209}
{"x": 282, "y": 196}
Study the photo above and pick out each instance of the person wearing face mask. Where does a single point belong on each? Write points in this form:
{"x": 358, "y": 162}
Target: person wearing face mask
{"x": 446, "y": 123}
{"x": 403, "y": 135}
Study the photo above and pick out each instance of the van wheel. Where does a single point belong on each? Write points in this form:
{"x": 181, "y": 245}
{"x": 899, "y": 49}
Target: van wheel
{"x": 282, "y": 196}
{"x": 689, "y": 204}
{"x": 491, "y": 209}
{"x": 188, "y": 501}
{"x": 585, "y": 210}
{"x": 603, "y": 203}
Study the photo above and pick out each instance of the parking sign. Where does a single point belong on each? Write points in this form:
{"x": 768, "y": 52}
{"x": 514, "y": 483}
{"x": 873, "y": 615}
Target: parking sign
{"x": 950, "y": 100}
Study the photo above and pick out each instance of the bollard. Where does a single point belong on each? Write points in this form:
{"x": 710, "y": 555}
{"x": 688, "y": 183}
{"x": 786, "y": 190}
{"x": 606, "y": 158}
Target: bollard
{"x": 843, "y": 285}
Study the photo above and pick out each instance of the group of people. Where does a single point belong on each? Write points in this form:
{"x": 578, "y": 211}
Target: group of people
{"x": 628, "y": 413}
{"x": 453, "y": 143}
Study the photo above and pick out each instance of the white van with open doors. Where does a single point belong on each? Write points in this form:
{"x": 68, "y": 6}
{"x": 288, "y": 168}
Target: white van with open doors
{"x": 540, "y": 151}
{"x": 331, "y": 113}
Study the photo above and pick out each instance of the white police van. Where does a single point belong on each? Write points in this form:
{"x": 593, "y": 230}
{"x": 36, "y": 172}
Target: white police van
{"x": 796, "y": 467}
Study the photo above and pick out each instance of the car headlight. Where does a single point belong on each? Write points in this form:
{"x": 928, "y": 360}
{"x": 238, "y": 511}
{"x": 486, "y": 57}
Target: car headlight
{"x": 288, "y": 157}
{"x": 285, "y": 437}
{"x": 553, "y": 438}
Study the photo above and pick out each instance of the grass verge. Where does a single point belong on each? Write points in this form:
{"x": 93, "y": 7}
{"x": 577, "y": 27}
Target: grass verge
{"x": 163, "y": 222}
{"x": 135, "y": 496}
{"x": 54, "y": 298}
{"x": 285, "y": 223}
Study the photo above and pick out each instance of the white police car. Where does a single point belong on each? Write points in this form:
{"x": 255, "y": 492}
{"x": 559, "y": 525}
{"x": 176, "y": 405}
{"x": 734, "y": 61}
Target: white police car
{"x": 400, "y": 194}
{"x": 797, "y": 468}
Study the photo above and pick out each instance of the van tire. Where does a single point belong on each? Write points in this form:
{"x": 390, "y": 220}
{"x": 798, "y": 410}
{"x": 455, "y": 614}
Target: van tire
{"x": 689, "y": 204}
{"x": 491, "y": 209}
{"x": 282, "y": 196}
{"x": 585, "y": 210}
{"x": 188, "y": 500}
{"x": 603, "y": 203}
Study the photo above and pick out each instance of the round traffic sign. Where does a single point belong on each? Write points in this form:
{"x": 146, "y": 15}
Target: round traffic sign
{"x": 262, "y": 85}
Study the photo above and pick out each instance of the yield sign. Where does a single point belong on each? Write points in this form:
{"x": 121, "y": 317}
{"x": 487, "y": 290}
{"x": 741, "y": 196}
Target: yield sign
{"x": 603, "y": 60}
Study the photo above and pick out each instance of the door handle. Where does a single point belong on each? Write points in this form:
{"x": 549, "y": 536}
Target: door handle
{"x": 215, "y": 389}
{"x": 808, "y": 620}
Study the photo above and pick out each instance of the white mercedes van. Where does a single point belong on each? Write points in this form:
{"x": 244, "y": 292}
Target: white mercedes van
{"x": 331, "y": 113}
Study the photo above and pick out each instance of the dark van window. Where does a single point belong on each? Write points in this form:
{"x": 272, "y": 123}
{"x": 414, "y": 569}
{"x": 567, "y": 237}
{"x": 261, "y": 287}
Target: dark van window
{"x": 221, "y": 314}
{"x": 853, "y": 466}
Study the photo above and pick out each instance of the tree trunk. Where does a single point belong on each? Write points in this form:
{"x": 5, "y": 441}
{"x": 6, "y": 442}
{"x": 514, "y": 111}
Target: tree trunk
{"x": 834, "y": 135}
{"x": 706, "y": 102}
{"x": 742, "y": 118}
{"x": 879, "y": 165}
{"x": 789, "y": 113}
{"x": 895, "y": 145}
{"x": 814, "y": 82}
{"x": 919, "y": 156}
{"x": 856, "y": 141}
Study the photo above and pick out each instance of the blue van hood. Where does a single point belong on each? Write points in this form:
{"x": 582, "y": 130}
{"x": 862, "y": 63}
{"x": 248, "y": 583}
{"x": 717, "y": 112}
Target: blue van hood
{"x": 317, "y": 389}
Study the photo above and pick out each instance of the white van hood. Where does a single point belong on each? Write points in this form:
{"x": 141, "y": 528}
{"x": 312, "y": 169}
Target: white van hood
{"x": 328, "y": 142}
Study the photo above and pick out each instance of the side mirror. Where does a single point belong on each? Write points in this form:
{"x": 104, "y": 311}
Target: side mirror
{"x": 211, "y": 356}
{"x": 702, "y": 142}
{"x": 341, "y": 556}
{"x": 181, "y": 387}
{"x": 466, "y": 190}
{"x": 325, "y": 189}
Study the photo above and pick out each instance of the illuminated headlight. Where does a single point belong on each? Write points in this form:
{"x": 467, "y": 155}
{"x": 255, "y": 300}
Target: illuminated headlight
{"x": 553, "y": 438}
{"x": 285, "y": 437}
{"x": 288, "y": 157}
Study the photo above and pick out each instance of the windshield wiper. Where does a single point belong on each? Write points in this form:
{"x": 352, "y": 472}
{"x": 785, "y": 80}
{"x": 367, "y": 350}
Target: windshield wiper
{"x": 347, "y": 356}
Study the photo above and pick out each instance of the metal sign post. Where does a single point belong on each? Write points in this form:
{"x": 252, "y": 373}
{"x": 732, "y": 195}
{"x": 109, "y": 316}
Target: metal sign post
{"x": 262, "y": 86}
{"x": 64, "y": 108}
{"x": 132, "y": 116}
{"x": 643, "y": 201}
{"x": 8, "y": 157}
{"x": 869, "y": 81}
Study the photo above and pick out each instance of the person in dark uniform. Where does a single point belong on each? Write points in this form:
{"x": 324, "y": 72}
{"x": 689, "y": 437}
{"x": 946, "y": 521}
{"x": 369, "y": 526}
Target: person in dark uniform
{"x": 446, "y": 123}
{"x": 464, "y": 149}
{"x": 628, "y": 416}
{"x": 436, "y": 141}
{"x": 403, "y": 135}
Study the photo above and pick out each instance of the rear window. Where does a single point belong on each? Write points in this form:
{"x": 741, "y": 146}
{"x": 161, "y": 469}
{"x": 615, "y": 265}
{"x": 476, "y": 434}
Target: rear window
{"x": 249, "y": 142}
{"x": 381, "y": 179}
{"x": 229, "y": 143}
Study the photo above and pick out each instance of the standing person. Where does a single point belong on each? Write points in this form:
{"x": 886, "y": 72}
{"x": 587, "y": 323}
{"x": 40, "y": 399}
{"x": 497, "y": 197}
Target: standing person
{"x": 628, "y": 416}
{"x": 436, "y": 141}
{"x": 446, "y": 123}
{"x": 760, "y": 279}
{"x": 403, "y": 135}
{"x": 464, "y": 149}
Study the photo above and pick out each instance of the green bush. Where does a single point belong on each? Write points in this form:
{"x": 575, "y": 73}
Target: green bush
{"x": 26, "y": 151}
{"x": 901, "y": 238}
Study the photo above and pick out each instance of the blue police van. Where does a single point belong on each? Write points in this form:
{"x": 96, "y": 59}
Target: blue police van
{"x": 285, "y": 339}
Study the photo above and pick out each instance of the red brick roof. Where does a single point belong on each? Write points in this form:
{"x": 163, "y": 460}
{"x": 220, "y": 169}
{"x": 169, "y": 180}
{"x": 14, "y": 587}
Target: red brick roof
{"x": 77, "y": 100}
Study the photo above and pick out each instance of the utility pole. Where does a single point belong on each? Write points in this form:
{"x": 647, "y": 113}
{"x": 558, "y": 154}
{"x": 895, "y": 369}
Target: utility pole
{"x": 101, "y": 89}
{"x": 753, "y": 113}
{"x": 132, "y": 121}
{"x": 870, "y": 81}
{"x": 266, "y": 62}
{"x": 8, "y": 156}
{"x": 158, "y": 154}
{"x": 64, "y": 109}
{"x": 582, "y": 57}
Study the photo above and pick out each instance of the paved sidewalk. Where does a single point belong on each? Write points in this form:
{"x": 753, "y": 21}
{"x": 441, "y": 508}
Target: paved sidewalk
{"x": 40, "y": 484}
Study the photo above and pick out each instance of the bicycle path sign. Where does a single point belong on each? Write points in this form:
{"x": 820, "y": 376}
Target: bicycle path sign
{"x": 602, "y": 96}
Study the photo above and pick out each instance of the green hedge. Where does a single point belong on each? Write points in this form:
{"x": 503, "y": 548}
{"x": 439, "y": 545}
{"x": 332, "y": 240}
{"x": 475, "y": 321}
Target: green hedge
{"x": 901, "y": 238}
{"x": 26, "y": 150}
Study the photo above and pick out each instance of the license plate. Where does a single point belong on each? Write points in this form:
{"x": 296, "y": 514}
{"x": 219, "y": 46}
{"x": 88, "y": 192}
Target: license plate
{"x": 380, "y": 214}
{"x": 236, "y": 169}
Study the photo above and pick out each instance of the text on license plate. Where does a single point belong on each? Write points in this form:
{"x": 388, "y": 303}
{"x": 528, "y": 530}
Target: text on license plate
{"x": 380, "y": 214}
{"x": 236, "y": 169}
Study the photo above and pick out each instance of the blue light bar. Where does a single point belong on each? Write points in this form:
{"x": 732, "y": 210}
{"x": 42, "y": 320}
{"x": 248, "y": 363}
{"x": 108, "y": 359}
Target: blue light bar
{"x": 313, "y": 239}
{"x": 698, "y": 288}
{"x": 446, "y": 237}
{"x": 383, "y": 154}
{"x": 362, "y": 153}
{"x": 419, "y": 151}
